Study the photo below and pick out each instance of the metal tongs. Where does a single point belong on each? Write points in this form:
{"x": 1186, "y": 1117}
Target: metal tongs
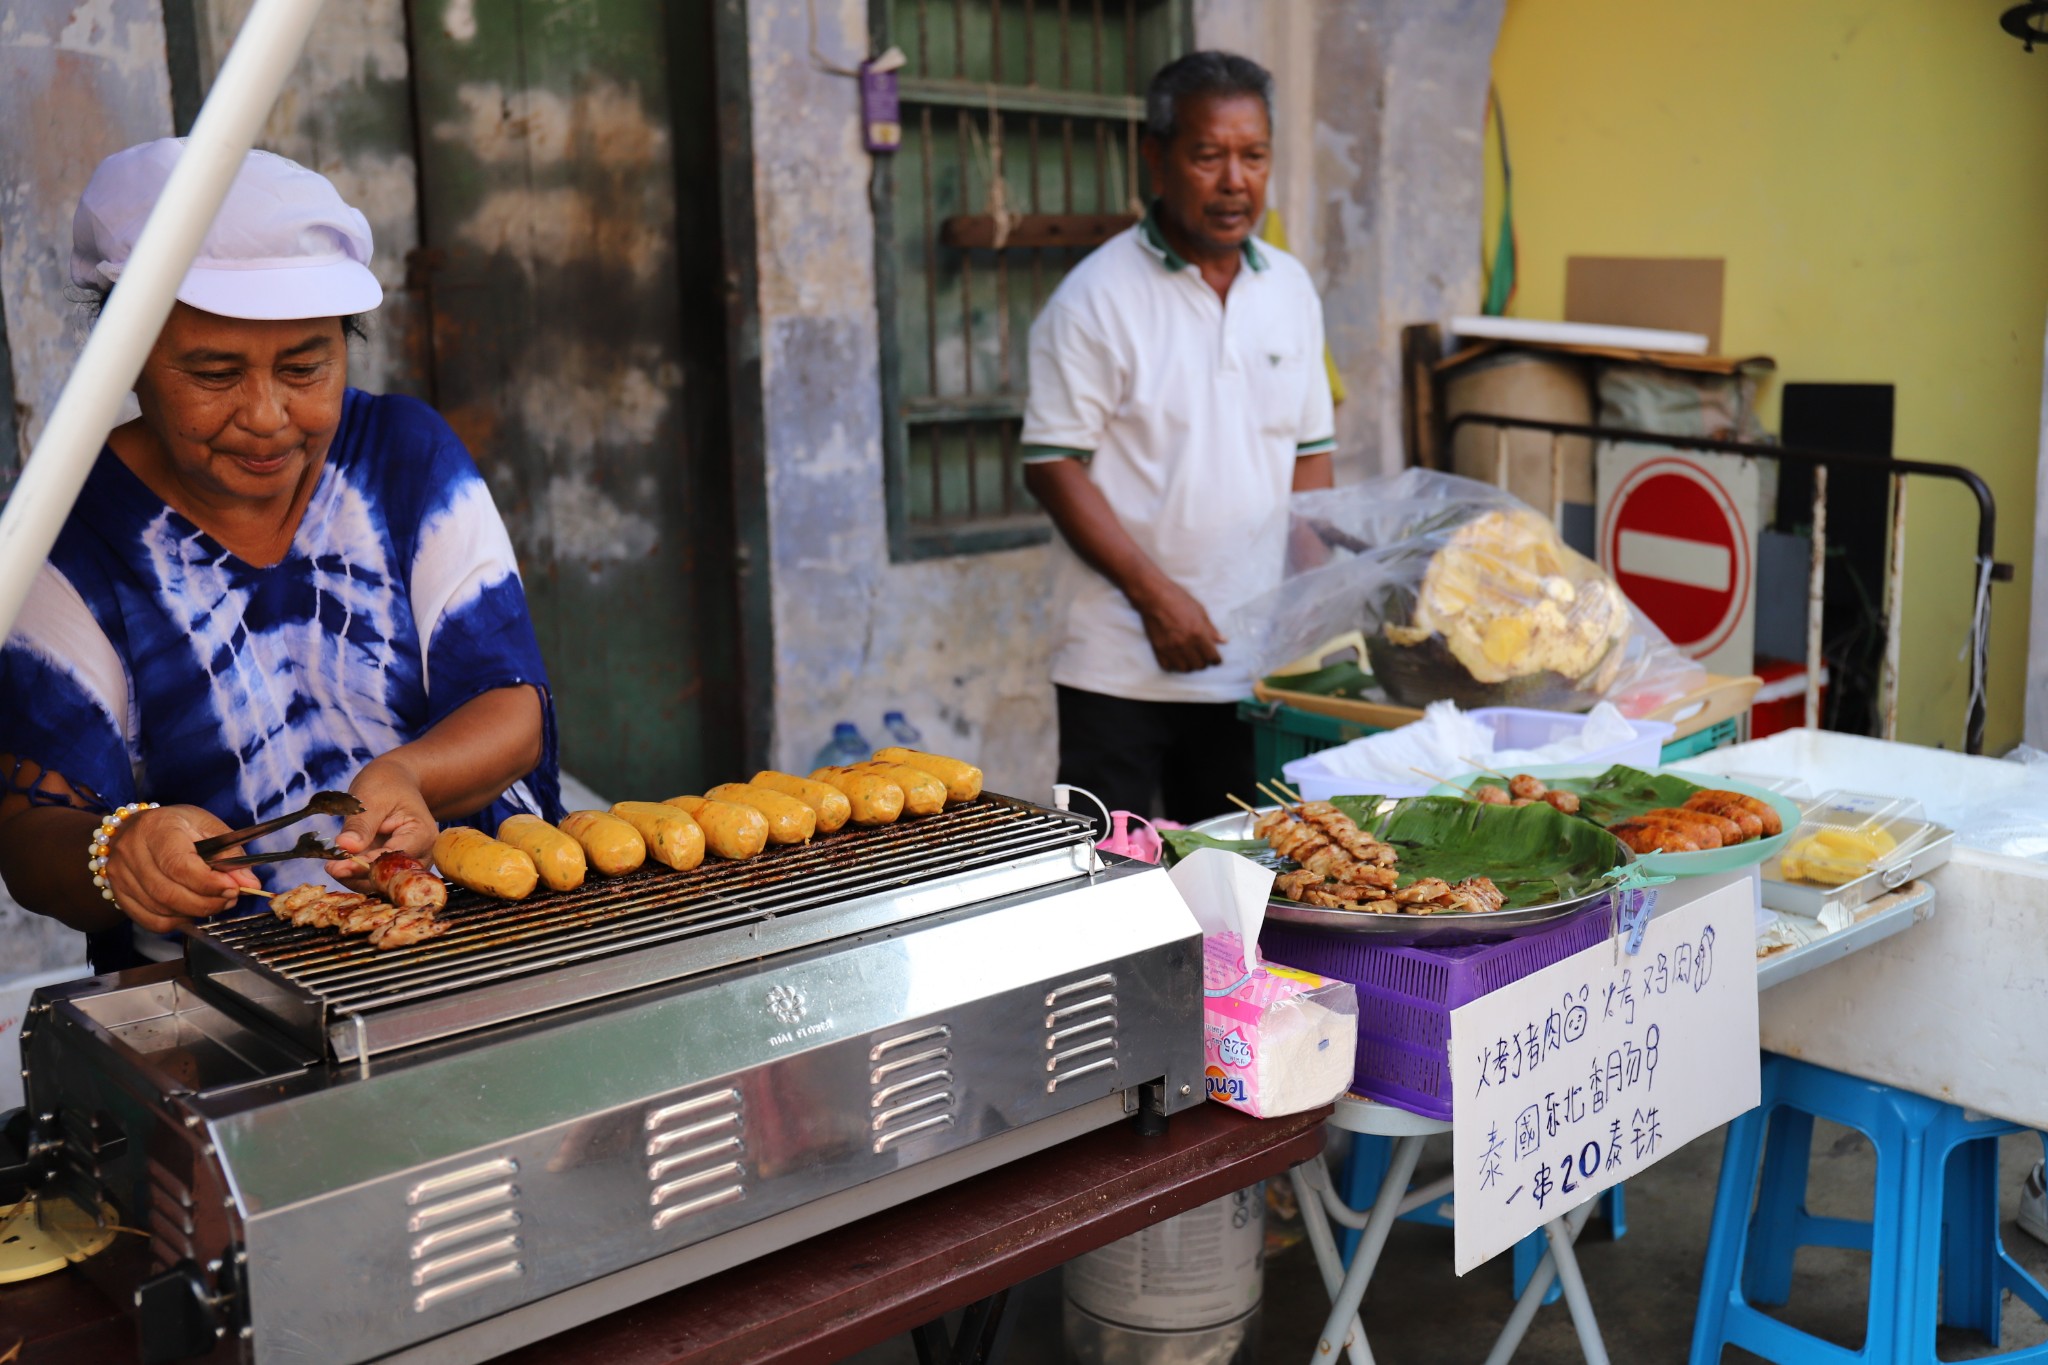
{"x": 308, "y": 846}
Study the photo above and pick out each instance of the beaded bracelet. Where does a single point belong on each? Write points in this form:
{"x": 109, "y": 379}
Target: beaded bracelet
{"x": 102, "y": 840}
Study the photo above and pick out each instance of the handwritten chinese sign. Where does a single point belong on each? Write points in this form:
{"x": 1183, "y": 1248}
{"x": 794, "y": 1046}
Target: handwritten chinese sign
{"x": 1592, "y": 1070}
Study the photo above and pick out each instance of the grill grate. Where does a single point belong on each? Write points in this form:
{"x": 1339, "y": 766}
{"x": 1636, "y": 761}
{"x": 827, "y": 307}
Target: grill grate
{"x": 670, "y": 923}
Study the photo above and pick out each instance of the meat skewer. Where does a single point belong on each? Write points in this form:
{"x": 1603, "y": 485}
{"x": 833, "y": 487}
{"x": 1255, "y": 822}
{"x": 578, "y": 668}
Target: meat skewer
{"x": 406, "y": 883}
{"x": 350, "y": 912}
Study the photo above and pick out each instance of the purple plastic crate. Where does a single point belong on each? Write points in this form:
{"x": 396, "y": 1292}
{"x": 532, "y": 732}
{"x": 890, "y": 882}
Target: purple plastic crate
{"x": 1406, "y": 995}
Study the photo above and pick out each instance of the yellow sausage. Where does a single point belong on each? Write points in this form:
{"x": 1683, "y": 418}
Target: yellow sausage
{"x": 557, "y": 857}
{"x": 731, "y": 831}
{"x": 830, "y": 803}
{"x": 923, "y": 794}
{"x": 963, "y": 780}
{"x": 672, "y": 836}
{"x": 469, "y": 857}
{"x": 873, "y": 799}
{"x": 612, "y": 845}
{"x": 790, "y": 821}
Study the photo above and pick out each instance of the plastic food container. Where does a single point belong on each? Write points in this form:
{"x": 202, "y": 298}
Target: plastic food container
{"x": 1850, "y": 849}
{"x": 1513, "y": 728}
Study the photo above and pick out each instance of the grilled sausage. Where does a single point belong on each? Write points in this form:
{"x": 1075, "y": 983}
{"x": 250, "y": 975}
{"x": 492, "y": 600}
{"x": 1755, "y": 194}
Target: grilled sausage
{"x": 1643, "y": 836}
{"x": 827, "y": 802}
{"x": 963, "y": 780}
{"x": 1747, "y": 822}
{"x": 1731, "y": 831}
{"x": 611, "y": 845}
{"x": 1698, "y": 827}
{"x": 1565, "y": 803}
{"x": 673, "y": 838}
{"x": 558, "y": 858}
{"x": 407, "y": 884}
{"x": 923, "y": 794}
{"x": 790, "y": 821}
{"x": 730, "y": 831}
{"x": 872, "y": 799}
{"x": 469, "y": 857}
{"x": 1762, "y": 810}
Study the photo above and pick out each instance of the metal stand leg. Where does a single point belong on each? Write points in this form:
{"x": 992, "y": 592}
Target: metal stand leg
{"x": 1575, "y": 1295}
{"x": 1385, "y": 1209}
{"x": 1561, "y": 1264}
{"x": 975, "y": 1340}
{"x": 1322, "y": 1240}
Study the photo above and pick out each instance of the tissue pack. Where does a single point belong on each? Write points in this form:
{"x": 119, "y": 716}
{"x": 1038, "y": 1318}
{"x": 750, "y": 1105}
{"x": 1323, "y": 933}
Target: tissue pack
{"x": 1276, "y": 1040}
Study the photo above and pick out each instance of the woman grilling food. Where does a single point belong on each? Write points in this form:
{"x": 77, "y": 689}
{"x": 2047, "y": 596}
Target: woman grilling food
{"x": 272, "y": 584}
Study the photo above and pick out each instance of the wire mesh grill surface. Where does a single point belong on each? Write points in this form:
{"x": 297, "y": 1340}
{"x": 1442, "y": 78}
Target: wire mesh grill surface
{"x": 493, "y": 940}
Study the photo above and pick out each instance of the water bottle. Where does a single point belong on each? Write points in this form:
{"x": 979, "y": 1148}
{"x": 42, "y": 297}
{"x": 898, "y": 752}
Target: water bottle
{"x": 901, "y": 730}
{"x": 848, "y": 747}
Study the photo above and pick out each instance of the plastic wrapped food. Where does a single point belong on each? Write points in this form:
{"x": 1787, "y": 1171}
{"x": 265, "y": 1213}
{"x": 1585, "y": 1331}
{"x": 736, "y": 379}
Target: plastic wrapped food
{"x": 1463, "y": 594}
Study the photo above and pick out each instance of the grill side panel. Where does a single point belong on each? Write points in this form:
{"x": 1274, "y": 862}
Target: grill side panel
{"x": 760, "y": 1090}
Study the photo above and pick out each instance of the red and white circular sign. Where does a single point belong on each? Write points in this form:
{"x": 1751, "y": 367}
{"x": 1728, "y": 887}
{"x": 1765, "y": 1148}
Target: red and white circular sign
{"x": 1676, "y": 543}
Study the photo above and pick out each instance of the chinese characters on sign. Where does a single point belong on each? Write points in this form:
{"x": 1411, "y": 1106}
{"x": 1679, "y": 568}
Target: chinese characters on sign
{"x": 1591, "y": 1070}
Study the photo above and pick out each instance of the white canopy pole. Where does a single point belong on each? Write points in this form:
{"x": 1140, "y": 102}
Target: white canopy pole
{"x": 264, "y": 54}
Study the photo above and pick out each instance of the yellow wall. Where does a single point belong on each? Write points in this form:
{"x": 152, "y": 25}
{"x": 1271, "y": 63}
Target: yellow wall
{"x": 1875, "y": 173}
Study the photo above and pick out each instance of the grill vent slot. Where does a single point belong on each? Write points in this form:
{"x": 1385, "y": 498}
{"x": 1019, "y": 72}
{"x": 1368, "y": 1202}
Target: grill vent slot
{"x": 696, "y": 1153}
{"x": 463, "y": 1231}
{"x": 910, "y": 1086}
{"x": 1080, "y": 1030}
{"x": 170, "y": 1218}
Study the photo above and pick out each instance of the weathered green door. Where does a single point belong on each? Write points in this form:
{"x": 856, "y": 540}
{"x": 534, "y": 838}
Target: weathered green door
{"x": 572, "y": 348}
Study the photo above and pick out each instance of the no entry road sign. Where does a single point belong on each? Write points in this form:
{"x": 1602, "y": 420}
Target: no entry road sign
{"x": 1679, "y": 535}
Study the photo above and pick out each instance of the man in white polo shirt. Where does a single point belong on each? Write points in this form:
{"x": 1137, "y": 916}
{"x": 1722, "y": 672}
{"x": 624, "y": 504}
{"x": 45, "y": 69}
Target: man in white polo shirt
{"x": 1178, "y": 395}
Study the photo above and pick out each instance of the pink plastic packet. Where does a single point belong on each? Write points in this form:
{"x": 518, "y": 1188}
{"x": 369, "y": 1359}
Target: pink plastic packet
{"x": 1142, "y": 844}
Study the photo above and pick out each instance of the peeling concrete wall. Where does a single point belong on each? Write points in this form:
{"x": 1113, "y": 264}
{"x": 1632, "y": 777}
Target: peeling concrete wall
{"x": 1377, "y": 171}
{"x": 1378, "y": 177}
{"x": 347, "y": 113}
{"x": 959, "y": 644}
{"x": 79, "y": 80}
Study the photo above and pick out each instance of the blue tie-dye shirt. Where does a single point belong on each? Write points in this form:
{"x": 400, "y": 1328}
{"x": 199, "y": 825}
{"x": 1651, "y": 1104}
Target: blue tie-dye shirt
{"x": 150, "y": 664}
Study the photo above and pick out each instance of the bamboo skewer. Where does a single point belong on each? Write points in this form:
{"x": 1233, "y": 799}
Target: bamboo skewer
{"x": 1247, "y": 807}
{"x": 1273, "y": 792}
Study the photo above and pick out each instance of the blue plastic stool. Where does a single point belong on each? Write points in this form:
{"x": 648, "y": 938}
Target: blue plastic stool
{"x": 1366, "y": 1166}
{"x": 1935, "y": 1252}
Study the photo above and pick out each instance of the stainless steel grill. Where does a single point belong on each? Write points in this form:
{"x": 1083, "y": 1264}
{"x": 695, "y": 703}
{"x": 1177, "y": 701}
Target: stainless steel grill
{"x": 695, "y": 1069}
{"x": 500, "y": 962}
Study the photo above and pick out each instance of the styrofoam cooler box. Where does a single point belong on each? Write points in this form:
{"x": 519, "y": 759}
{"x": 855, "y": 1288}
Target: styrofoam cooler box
{"x": 1956, "y": 1007}
{"x": 14, "y": 994}
{"x": 1513, "y": 727}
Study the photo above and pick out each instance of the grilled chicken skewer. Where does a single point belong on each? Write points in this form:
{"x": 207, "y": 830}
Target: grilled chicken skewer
{"x": 387, "y": 925}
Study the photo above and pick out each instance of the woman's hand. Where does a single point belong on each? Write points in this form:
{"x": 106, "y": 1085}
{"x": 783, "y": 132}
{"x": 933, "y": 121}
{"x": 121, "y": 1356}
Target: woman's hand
{"x": 395, "y": 816}
{"x": 159, "y": 880}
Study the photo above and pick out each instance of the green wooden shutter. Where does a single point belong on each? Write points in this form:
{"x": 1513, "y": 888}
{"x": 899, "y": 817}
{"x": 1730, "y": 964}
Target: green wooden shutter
{"x": 1052, "y": 91}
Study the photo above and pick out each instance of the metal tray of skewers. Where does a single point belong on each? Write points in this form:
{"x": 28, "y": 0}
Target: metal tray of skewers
{"x": 1524, "y": 905}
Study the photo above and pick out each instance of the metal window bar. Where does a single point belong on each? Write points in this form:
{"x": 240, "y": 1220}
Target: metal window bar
{"x": 1988, "y": 569}
{"x": 975, "y": 108}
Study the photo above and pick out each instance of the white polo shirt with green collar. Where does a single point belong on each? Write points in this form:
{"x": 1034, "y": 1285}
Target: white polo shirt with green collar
{"x": 1189, "y": 411}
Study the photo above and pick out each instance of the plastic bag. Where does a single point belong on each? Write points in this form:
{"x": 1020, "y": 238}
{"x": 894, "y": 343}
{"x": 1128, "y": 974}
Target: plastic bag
{"x": 1464, "y": 593}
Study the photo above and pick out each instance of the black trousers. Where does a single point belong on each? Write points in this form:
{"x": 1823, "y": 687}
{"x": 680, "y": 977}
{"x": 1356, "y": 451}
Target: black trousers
{"x": 1185, "y": 759}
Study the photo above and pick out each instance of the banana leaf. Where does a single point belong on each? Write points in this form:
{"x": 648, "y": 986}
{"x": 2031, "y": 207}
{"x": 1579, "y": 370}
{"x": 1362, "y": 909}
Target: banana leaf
{"x": 1346, "y": 680}
{"x": 1622, "y": 793}
{"x": 1533, "y": 854}
{"x": 1181, "y": 842}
